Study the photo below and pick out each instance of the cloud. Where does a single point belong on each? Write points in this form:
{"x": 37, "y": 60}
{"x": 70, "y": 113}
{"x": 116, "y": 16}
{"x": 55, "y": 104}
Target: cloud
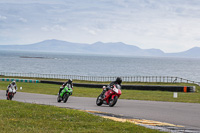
{"x": 3, "y": 17}
{"x": 23, "y": 20}
{"x": 171, "y": 25}
{"x": 92, "y": 31}
{"x": 54, "y": 28}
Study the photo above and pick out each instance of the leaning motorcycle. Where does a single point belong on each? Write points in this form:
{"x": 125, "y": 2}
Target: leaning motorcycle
{"x": 64, "y": 95}
{"x": 111, "y": 96}
{"x": 11, "y": 93}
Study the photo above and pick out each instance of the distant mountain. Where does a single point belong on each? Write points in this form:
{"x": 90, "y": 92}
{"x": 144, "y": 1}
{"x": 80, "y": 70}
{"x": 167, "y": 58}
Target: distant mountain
{"x": 193, "y": 52}
{"x": 120, "y": 48}
{"x": 48, "y": 46}
{"x": 117, "y": 48}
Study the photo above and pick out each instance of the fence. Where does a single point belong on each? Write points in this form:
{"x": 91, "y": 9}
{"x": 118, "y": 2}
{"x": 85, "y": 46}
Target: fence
{"x": 166, "y": 79}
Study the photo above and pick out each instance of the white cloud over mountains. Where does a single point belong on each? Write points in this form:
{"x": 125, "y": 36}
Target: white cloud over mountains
{"x": 169, "y": 25}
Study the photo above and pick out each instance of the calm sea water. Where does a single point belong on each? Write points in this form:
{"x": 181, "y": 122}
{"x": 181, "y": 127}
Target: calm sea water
{"x": 94, "y": 65}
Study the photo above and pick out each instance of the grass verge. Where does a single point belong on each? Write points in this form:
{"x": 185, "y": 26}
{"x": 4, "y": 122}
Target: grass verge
{"x": 17, "y": 117}
{"x": 53, "y": 89}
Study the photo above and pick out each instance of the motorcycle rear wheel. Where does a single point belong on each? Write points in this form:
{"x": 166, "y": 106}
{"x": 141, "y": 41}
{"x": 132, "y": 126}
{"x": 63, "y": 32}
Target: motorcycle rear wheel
{"x": 99, "y": 102}
{"x": 58, "y": 99}
{"x": 113, "y": 101}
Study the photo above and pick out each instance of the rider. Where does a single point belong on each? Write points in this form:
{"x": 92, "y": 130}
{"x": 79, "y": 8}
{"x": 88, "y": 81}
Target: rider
{"x": 117, "y": 81}
{"x": 11, "y": 85}
{"x": 68, "y": 83}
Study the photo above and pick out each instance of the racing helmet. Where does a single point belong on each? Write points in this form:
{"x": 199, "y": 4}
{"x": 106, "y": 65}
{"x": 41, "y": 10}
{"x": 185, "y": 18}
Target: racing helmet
{"x": 118, "y": 80}
{"x": 13, "y": 82}
{"x": 70, "y": 81}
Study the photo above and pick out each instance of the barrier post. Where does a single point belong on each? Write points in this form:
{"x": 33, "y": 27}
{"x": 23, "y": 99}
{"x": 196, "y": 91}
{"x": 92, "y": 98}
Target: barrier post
{"x": 185, "y": 89}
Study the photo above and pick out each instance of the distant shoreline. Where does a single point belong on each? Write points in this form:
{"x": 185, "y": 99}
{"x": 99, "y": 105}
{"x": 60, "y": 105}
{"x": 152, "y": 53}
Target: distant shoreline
{"x": 31, "y": 57}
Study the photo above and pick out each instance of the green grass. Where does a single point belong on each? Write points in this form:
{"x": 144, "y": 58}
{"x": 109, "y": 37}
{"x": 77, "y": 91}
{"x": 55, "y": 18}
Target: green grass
{"x": 161, "y": 96}
{"x": 33, "y": 87}
{"x": 17, "y": 117}
{"x": 50, "y": 79}
{"x": 94, "y": 92}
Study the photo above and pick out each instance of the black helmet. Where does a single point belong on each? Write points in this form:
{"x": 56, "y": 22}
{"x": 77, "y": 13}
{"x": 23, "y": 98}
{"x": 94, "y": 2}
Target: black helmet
{"x": 119, "y": 80}
{"x": 70, "y": 81}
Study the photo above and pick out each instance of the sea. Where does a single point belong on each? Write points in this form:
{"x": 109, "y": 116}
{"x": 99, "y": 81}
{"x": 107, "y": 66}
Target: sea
{"x": 98, "y": 65}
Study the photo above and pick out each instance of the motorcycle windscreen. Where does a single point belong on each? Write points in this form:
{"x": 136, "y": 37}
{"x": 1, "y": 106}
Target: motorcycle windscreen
{"x": 118, "y": 91}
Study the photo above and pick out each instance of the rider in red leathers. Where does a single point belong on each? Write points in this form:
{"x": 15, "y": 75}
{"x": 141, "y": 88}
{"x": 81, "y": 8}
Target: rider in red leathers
{"x": 117, "y": 81}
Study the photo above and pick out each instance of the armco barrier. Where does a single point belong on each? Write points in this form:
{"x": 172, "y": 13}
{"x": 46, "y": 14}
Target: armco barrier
{"x": 51, "y": 82}
{"x": 127, "y": 87}
{"x": 134, "y": 87}
{"x": 75, "y": 84}
{"x": 160, "y": 88}
{"x": 20, "y": 80}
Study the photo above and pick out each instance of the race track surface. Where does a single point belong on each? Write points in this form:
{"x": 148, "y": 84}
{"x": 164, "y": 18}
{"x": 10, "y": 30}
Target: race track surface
{"x": 185, "y": 114}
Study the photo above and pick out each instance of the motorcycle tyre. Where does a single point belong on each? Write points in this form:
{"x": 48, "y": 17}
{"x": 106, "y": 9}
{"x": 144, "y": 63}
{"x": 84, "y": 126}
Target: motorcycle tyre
{"x": 9, "y": 97}
{"x": 65, "y": 97}
{"x": 98, "y": 101}
{"x": 113, "y": 102}
{"x": 58, "y": 99}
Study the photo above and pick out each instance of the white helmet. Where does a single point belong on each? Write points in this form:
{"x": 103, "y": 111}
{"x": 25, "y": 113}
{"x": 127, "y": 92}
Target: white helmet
{"x": 13, "y": 82}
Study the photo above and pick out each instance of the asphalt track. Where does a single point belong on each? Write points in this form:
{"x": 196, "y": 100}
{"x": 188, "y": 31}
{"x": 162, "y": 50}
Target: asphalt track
{"x": 184, "y": 114}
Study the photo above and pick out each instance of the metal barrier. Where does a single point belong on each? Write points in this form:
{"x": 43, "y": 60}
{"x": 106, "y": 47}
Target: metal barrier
{"x": 133, "y": 87}
{"x": 165, "y": 79}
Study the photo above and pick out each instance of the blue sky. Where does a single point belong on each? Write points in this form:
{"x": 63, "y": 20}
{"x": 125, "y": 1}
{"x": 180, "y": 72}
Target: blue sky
{"x": 169, "y": 25}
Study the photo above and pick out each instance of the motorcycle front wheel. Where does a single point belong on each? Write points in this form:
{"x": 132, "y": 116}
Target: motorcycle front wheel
{"x": 66, "y": 96}
{"x": 10, "y": 96}
{"x": 113, "y": 101}
{"x": 99, "y": 102}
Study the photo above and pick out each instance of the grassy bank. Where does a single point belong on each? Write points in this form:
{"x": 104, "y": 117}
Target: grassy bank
{"x": 94, "y": 92}
{"x": 17, "y": 117}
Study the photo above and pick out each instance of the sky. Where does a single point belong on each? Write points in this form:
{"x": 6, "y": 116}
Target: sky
{"x": 169, "y": 25}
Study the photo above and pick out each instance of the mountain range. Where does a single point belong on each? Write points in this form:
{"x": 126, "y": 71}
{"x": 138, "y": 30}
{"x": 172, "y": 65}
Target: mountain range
{"x": 117, "y": 48}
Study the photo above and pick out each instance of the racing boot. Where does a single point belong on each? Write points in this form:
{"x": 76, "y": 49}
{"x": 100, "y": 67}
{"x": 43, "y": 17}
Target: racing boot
{"x": 103, "y": 94}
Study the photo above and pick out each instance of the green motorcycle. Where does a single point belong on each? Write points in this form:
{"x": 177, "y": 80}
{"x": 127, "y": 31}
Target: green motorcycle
{"x": 64, "y": 94}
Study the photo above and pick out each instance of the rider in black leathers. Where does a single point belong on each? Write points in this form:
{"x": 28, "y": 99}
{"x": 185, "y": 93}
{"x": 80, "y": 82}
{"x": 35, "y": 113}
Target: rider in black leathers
{"x": 117, "y": 81}
{"x": 64, "y": 84}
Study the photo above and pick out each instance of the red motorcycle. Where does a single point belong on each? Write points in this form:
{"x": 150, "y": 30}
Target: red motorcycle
{"x": 111, "y": 96}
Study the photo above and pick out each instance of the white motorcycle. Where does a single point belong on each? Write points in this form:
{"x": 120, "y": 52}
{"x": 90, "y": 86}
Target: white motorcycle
{"x": 11, "y": 93}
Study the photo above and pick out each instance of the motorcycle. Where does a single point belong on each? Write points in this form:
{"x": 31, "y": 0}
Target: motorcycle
{"x": 111, "y": 96}
{"x": 11, "y": 93}
{"x": 64, "y": 94}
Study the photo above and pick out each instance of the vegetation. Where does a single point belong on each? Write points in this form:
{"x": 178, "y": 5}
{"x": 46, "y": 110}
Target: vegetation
{"x": 17, "y": 117}
{"x": 24, "y": 117}
{"x": 53, "y": 89}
